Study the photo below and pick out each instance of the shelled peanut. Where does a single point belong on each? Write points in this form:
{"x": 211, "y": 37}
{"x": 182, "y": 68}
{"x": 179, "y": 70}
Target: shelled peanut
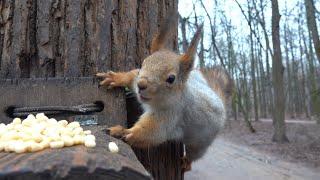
{"x": 36, "y": 133}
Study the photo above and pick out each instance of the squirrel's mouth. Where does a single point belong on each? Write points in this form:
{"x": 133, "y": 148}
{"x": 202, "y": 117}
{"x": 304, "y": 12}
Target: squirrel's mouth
{"x": 143, "y": 98}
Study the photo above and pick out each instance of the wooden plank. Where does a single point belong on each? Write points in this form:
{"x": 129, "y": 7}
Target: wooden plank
{"x": 62, "y": 92}
{"x": 124, "y": 25}
{"x": 98, "y": 36}
{"x": 9, "y": 66}
{"x": 45, "y": 38}
{"x": 163, "y": 161}
{"x": 73, "y": 37}
{"x": 77, "y": 162}
{"x": 145, "y": 29}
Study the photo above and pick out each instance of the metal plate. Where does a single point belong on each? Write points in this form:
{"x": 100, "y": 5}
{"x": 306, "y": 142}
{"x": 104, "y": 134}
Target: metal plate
{"x": 87, "y": 120}
{"x": 63, "y": 92}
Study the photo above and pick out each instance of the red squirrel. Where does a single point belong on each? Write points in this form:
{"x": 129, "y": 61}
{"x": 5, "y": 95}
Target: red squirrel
{"x": 180, "y": 102}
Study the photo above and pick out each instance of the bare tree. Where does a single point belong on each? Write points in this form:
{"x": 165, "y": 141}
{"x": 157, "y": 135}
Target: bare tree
{"x": 249, "y": 19}
{"x": 277, "y": 74}
{"x": 183, "y": 23}
{"x": 312, "y": 25}
{"x": 313, "y": 30}
{"x": 213, "y": 38}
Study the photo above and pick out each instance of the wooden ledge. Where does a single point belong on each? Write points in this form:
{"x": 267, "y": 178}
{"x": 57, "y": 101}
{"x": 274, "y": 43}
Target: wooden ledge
{"x": 77, "y": 162}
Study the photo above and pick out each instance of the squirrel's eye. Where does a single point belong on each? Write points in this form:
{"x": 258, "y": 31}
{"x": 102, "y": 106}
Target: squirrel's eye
{"x": 171, "y": 79}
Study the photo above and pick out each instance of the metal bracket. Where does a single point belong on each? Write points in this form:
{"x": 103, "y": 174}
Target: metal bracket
{"x": 87, "y": 120}
{"x": 61, "y": 94}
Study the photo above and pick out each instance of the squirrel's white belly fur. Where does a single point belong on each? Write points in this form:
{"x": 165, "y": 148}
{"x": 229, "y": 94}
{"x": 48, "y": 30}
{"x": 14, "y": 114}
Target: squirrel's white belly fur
{"x": 196, "y": 119}
{"x": 204, "y": 115}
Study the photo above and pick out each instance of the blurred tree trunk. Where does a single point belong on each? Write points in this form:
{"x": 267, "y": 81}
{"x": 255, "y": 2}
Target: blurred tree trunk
{"x": 253, "y": 67}
{"x": 303, "y": 83}
{"x": 183, "y": 23}
{"x": 312, "y": 26}
{"x": 277, "y": 74}
{"x": 310, "y": 71}
{"x": 243, "y": 96}
{"x": 263, "y": 86}
{"x": 261, "y": 20}
{"x": 213, "y": 35}
{"x": 289, "y": 89}
{"x": 297, "y": 107}
{"x": 249, "y": 19}
{"x": 201, "y": 53}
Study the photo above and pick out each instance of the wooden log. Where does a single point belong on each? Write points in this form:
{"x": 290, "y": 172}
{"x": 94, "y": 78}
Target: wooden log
{"x": 77, "y": 162}
{"x": 163, "y": 161}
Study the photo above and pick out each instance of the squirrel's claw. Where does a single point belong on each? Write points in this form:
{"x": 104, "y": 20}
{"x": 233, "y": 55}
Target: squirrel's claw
{"x": 109, "y": 79}
{"x": 101, "y": 74}
{"x": 106, "y": 81}
{"x": 116, "y": 131}
{"x": 128, "y": 138}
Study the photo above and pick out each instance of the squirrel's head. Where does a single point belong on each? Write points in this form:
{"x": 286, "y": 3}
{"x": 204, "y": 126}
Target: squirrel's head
{"x": 163, "y": 74}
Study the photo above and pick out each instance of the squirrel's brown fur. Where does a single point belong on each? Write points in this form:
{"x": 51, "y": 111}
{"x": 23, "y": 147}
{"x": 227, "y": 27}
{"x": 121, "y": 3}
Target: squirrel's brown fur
{"x": 179, "y": 103}
{"x": 219, "y": 80}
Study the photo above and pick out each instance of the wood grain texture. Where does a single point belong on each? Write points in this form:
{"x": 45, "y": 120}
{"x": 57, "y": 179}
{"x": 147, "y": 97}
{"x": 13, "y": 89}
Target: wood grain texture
{"x": 163, "y": 161}
{"x": 62, "y": 92}
{"x": 77, "y": 162}
{"x": 78, "y": 38}
{"x": 72, "y": 38}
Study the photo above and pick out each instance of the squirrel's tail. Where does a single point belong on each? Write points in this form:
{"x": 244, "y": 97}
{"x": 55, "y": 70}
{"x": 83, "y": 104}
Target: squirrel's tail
{"x": 220, "y": 81}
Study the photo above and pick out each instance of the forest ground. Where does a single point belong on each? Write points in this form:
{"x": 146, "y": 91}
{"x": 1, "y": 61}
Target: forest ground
{"x": 239, "y": 154}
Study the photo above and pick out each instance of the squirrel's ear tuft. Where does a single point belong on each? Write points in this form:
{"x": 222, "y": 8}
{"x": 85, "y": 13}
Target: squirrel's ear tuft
{"x": 187, "y": 58}
{"x": 166, "y": 28}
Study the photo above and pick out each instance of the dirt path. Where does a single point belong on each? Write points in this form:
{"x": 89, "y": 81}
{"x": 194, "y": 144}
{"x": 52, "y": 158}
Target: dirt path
{"x": 227, "y": 161}
{"x": 291, "y": 121}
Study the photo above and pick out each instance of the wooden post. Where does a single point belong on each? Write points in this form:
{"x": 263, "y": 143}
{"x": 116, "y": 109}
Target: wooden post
{"x": 164, "y": 161}
{"x": 76, "y": 162}
{"x": 77, "y": 38}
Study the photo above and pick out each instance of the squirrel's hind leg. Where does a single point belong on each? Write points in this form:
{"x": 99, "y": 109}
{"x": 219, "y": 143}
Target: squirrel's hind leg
{"x": 186, "y": 164}
{"x": 193, "y": 153}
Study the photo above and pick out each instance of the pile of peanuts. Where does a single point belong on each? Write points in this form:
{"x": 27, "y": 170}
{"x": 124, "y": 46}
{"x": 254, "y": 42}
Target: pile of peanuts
{"x": 36, "y": 133}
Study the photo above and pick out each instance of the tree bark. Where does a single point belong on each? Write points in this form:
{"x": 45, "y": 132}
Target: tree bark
{"x": 277, "y": 74}
{"x": 76, "y": 38}
{"x": 183, "y": 23}
{"x": 267, "y": 52}
{"x": 289, "y": 81}
{"x": 314, "y": 35}
{"x": 312, "y": 26}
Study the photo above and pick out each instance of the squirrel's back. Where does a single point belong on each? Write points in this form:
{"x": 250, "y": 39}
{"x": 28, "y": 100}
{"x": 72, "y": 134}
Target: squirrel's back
{"x": 219, "y": 80}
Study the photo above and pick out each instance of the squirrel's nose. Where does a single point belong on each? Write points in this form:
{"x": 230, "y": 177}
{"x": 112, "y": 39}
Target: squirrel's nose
{"x": 142, "y": 84}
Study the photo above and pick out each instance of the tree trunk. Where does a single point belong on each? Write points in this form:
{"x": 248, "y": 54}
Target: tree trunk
{"x": 314, "y": 35}
{"x": 253, "y": 66}
{"x": 312, "y": 26}
{"x": 303, "y": 80}
{"x": 75, "y": 38}
{"x": 277, "y": 74}
{"x": 289, "y": 81}
{"x": 244, "y": 97}
{"x": 183, "y": 22}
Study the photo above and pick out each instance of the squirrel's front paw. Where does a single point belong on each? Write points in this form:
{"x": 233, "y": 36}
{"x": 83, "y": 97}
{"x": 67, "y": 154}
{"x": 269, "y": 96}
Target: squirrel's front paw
{"x": 132, "y": 136}
{"x": 111, "y": 79}
{"x": 136, "y": 139}
{"x": 117, "y": 131}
